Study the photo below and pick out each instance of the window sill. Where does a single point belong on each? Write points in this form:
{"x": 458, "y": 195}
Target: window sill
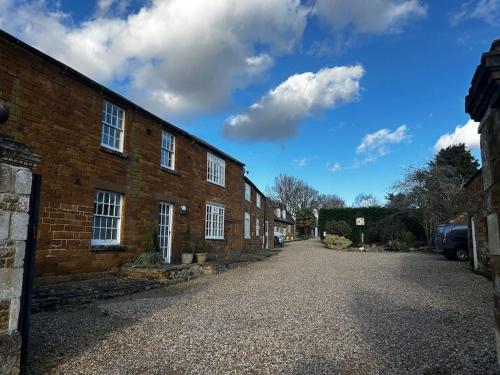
{"x": 214, "y": 239}
{"x": 107, "y": 248}
{"x": 168, "y": 170}
{"x": 121, "y": 154}
{"x": 217, "y": 184}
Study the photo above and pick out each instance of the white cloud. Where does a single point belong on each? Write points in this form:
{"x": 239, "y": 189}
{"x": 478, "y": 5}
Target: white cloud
{"x": 104, "y": 7}
{"x": 376, "y": 144}
{"x": 335, "y": 167}
{"x": 467, "y": 133}
{"x": 301, "y": 163}
{"x": 179, "y": 56}
{"x": 487, "y": 11}
{"x": 374, "y": 16}
{"x": 278, "y": 113}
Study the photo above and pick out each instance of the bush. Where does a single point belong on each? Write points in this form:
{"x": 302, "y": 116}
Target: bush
{"x": 339, "y": 228}
{"x": 336, "y": 242}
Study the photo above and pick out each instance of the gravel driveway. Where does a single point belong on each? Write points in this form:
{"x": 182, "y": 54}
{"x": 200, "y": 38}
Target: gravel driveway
{"x": 308, "y": 310}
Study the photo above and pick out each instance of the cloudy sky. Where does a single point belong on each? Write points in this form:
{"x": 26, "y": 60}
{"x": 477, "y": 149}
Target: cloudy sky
{"x": 345, "y": 94}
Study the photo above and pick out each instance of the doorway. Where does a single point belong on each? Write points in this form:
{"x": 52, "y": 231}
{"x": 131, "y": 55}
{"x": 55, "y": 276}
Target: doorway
{"x": 165, "y": 230}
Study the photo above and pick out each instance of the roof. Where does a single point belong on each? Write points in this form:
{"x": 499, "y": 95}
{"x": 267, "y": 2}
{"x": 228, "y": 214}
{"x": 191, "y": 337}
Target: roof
{"x": 288, "y": 220}
{"x": 248, "y": 181}
{"x": 106, "y": 91}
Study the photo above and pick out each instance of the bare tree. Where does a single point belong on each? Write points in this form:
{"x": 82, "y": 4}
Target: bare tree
{"x": 330, "y": 201}
{"x": 294, "y": 193}
{"x": 366, "y": 200}
{"x": 431, "y": 195}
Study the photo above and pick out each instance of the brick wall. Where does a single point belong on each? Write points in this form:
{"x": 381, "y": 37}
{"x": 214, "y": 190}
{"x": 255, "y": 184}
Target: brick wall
{"x": 255, "y": 241}
{"x": 58, "y": 114}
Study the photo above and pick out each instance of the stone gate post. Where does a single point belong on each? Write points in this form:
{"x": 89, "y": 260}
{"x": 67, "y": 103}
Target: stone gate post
{"x": 483, "y": 105}
{"x": 16, "y": 162}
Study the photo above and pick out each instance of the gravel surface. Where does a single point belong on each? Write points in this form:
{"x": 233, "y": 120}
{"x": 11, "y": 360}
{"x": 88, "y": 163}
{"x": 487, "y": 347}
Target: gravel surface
{"x": 308, "y": 310}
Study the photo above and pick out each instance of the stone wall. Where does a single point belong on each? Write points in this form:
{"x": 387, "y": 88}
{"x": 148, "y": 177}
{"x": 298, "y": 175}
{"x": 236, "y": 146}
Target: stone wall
{"x": 475, "y": 195}
{"x": 58, "y": 113}
{"x": 15, "y": 190}
{"x": 483, "y": 105}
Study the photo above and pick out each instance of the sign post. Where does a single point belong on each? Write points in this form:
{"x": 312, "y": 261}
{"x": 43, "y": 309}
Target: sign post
{"x": 360, "y": 221}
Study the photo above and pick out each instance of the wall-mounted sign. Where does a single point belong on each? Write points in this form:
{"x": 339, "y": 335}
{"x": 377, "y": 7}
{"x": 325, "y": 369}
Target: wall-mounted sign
{"x": 360, "y": 221}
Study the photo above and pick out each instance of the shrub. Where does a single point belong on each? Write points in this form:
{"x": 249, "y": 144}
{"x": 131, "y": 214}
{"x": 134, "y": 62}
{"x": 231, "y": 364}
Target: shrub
{"x": 336, "y": 242}
{"x": 339, "y": 228}
{"x": 152, "y": 244}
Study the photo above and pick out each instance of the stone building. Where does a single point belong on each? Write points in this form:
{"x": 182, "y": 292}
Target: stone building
{"x": 113, "y": 174}
{"x": 479, "y": 255}
{"x": 483, "y": 105}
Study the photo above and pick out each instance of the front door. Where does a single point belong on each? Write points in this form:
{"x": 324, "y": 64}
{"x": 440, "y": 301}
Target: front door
{"x": 266, "y": 235}
{"x": 165, "y": 230}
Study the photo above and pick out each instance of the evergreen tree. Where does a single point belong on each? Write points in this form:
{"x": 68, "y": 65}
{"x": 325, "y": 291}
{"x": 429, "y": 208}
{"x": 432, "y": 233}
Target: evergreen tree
{"x": 459, "y": 158}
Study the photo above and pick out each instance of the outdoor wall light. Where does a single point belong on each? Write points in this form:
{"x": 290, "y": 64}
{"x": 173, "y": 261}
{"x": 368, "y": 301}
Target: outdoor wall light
{"x": 183, "y": 210}
{"x": 4, "y": 112}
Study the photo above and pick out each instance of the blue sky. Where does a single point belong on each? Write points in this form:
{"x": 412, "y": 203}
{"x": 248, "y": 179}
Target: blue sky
{"x": 345, "y": 94}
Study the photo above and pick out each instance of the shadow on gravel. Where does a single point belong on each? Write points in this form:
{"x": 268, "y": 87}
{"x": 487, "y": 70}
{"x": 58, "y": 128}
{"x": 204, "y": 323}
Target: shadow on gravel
{"x": 57, "y": 336}
{"x": 416, "y": 337}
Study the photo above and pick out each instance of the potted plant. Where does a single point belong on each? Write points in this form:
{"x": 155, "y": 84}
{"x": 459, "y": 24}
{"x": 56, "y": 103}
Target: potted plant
{"x": 187, "y": 253}
{"x": 201, "y": 253}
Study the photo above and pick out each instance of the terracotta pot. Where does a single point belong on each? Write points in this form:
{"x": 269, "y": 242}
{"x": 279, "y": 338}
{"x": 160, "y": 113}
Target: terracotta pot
{"x": 187, "y": 258}
{"x": 201, "y": 257}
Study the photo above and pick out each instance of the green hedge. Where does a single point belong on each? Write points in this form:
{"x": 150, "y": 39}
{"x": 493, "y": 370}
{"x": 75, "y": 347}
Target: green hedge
{"x": 372, "y": 215}
{"x": 349, "y": 215}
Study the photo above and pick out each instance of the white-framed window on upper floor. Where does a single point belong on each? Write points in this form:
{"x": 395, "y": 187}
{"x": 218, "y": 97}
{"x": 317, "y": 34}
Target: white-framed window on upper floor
{"x": 216, "y": 170}
{"x": 248, "y": 192}
{"x": 113, "y": 124}
{"x": 107, "y": 218}
{"x": 257, "y": 200}
{"x": 214, "y": 222}
{"x": 167, "y": 150}
{"x": 247, "y": 226}
{"x": 257, "y": 227}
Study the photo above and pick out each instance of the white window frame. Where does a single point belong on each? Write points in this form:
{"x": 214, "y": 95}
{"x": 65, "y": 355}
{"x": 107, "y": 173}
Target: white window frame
{"x": 107, "y": 200}
{"x": 214, "y": 221}
{"x": 246, "y": 232}
{"x": 248, "y": 192}
{"x": 257, "y": 200}
{"x": 110, "y": 120}
{"x": 216, "y": 170}
{"x": 167, "y": 149}
{"x": 257, "y": 226}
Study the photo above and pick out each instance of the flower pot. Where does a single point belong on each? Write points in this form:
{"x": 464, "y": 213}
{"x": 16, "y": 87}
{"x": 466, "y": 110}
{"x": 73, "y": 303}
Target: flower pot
{"x": 187, "y": 258}
{"x": 201, "y": 257}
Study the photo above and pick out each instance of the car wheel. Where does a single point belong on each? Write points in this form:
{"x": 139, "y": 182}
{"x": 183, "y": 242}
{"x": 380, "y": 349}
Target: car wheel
{"x": 462, "y": 255}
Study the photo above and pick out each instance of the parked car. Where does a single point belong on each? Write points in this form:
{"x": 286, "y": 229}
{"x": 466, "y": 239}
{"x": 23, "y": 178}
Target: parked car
{"x": 279, "y": 239}
{"x": 455, "y": 244}
{"x": 441, "y": 230}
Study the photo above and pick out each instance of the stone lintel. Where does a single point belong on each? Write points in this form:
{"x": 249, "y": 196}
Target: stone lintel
{"x": 484, "y": 92}
{"x": 15, "y": 153}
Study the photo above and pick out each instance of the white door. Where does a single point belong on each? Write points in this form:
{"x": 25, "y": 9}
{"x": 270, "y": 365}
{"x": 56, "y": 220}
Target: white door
{"x": 165, "y": 230}
{"x": 266, "y": 235}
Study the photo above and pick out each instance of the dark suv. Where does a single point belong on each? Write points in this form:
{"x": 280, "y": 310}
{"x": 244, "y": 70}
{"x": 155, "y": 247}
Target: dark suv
{"x": 441, "y": 230}
{"x": 455, "y": 244}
